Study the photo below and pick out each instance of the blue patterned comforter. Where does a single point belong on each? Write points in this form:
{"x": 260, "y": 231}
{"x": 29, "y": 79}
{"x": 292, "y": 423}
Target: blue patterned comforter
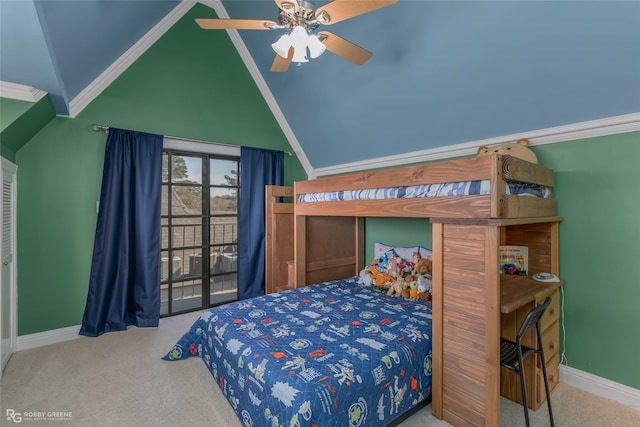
{"x": 332, "y": 354}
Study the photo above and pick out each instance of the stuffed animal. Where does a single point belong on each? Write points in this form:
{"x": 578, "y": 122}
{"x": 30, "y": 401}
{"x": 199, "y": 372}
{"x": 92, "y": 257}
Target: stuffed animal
{"x": 365, "y": 278}
{"x": 379, "y": 279}
{"x": 424, "y": 287}
{"x": 394, "y": 266}
{"x": 518, "y": 149}
{"x": 397, "y": 287}
{"x": 421, "y": 265}
{"x": 413, "y": 290}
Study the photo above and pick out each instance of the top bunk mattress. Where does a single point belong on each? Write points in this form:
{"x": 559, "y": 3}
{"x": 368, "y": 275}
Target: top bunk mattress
{"x": 463, "y": 188}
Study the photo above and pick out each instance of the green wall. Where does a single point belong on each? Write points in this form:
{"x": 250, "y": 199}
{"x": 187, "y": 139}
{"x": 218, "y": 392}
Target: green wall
{"x": 598, "y": 195}
{"x": 192, "y": 84}
{"x": 20, "y": 121}
{"x": 11, "y": 109}
{"x": 181, "y": 88}
{"x": 395, "y": 232}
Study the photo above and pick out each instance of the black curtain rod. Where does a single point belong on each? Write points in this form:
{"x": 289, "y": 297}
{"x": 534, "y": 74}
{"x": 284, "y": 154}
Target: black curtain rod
{"x": 96, "y": 127}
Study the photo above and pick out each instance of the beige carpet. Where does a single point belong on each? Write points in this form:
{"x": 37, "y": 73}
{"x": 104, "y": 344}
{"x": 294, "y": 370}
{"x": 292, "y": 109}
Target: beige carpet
{"x": 119, "y": 379}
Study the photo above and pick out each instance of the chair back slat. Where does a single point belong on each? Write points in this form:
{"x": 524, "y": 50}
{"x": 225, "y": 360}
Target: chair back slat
{"x": 533, "y": 317}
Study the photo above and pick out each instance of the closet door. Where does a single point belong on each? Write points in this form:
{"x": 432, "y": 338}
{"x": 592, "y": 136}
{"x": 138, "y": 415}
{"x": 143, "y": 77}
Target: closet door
{"x": 8, "y": 299}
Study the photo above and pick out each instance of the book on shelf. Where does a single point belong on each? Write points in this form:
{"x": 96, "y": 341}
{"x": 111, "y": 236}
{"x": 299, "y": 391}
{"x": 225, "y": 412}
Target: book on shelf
{"x": 514, "y": 260}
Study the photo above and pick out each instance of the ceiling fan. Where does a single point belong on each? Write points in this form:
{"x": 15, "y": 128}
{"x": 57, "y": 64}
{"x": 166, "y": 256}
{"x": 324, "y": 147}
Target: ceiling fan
{"x": 301, "y": 21}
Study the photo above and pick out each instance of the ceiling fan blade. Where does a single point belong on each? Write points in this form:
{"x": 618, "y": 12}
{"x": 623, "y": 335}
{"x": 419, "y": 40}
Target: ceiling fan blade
{"x": 339, "y": 10}
{"x": 280, "y": 64}
{"x": 236, "y": 24}
{"x": 344, "y": 48}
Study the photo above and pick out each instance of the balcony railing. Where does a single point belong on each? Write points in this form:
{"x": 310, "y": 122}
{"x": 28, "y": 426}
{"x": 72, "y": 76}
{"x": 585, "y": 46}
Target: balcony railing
{"x": 185, "y": 271}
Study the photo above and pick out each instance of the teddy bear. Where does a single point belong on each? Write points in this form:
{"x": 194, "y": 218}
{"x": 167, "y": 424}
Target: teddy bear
{"x": 519, "y": 149}
{"x": 420, "y": 265}
{"x": 397, "y": 287}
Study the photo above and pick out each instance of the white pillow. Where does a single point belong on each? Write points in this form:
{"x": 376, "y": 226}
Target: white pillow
{"x": 406, "y": 253}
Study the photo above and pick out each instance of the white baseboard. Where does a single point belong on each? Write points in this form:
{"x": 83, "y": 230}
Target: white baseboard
{"x": 39, "y": 339}
{"x": 599, "y": 386}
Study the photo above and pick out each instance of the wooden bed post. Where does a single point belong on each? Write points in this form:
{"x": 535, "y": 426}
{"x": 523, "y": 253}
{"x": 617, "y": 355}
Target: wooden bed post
{"x": 278, "y": 241}
{"x": 466, "y": 322}
{"x": 499, "y": 187}
{"x": 300, "y": 250}
{"x": 437, "y": 320}
{"x": 360, "y": 239}
{"x": 492, "y": 326}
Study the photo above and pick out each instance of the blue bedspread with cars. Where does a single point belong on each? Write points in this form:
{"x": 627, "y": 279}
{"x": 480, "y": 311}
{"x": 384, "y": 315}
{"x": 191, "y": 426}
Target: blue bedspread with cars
{"x": 333, "y": 354}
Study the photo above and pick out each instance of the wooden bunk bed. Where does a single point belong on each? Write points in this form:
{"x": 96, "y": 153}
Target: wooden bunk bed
{"x": 325, "y": 241}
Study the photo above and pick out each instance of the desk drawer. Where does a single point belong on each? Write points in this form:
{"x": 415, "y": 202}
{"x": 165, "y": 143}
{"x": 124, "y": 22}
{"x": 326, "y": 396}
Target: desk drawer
{"x": 551, "y": 313}
{"x": 550, "y": 342}
{"x": 553, "y": 375}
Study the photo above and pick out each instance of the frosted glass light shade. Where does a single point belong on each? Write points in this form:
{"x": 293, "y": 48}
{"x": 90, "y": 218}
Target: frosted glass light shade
{"x": 281, "y": 47}
{"x": 316, "y": 47}
{"x": 299, "y": 54}
{"x": 299, "y": 39}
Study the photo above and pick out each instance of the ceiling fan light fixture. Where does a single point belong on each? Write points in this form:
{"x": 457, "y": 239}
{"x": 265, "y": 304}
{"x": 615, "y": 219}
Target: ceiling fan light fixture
{"x": 299, "y": 55}
{"x": 299, "y": 40}
{"x": 316, "y": 47}
{"x": 281, "y": 47}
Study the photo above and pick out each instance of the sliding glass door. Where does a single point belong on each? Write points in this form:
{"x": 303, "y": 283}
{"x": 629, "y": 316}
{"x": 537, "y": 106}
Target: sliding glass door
{"x": 199, "y": 255}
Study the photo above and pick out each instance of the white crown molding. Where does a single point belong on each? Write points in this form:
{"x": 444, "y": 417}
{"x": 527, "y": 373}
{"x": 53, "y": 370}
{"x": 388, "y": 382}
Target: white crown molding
{"x": 589, "y": 129}
{"x": 130, "y": 56}
{"x": 599, "y": 386}
{"x": 54, "y": 336}
{"x": 262, "y": 86}
{"x": 107, "y": 77}
{"x": 20, "y": 92}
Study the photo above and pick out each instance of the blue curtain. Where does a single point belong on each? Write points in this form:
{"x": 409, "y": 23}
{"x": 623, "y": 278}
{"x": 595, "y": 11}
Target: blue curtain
{"x": 124, "y": 286}
{"x": 258, "y": 167}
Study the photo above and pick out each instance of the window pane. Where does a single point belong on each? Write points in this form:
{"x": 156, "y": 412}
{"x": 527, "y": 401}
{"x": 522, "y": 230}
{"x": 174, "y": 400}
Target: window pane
{"x": 186, "y": 295}
{"x": 164, "y": 234}
{"x": 165, "y": 167}
{"x": 186, "y": 232}
{"x": 186, "y": 169}
{"x": 164, "y": 299}
{"x": 225, "y": 259}
{"x": 223, "y": 201}
{"x": 186, "y": 200}
{"x": 224, "y": 288}
{"x": 171, "y": 269}
{"x": 164, "y": 204}
{"x": 223, "y": 231}
{"x": 223, "y": 172}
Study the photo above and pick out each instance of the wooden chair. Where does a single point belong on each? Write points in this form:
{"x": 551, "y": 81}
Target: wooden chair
{"x": 512, "y": 354}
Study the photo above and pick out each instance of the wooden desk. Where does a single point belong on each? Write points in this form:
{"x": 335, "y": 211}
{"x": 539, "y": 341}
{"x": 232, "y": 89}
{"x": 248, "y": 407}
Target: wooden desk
{"x": 520, "y": 291}
{"x": 518, "y": 295}
{"x": 470, "y": 298}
